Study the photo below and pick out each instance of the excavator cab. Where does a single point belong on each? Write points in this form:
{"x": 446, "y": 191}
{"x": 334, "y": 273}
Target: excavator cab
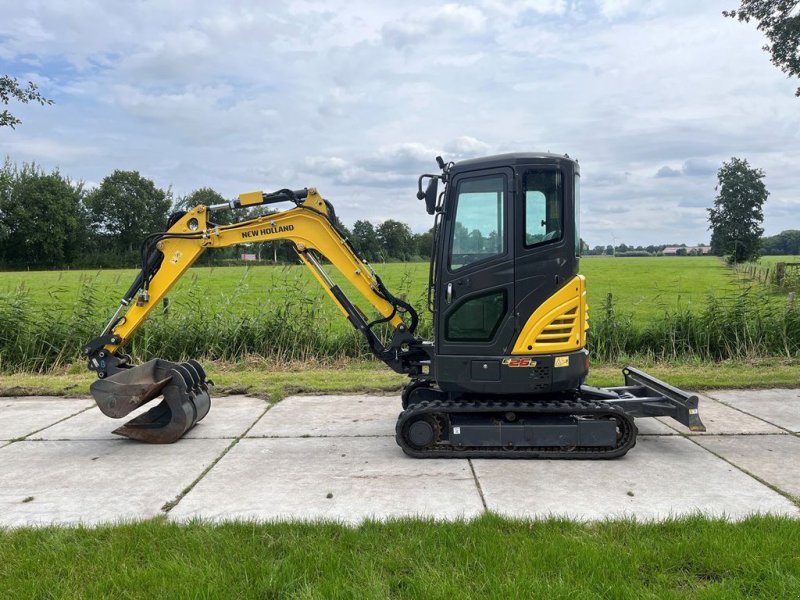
{"x": 504, "y": 282}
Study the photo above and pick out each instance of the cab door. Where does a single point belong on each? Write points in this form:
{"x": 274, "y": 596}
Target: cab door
{"x": 474, "y": 297}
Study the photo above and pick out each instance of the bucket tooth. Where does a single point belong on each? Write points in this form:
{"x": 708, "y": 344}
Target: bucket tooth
{"x": 185, "y": 399}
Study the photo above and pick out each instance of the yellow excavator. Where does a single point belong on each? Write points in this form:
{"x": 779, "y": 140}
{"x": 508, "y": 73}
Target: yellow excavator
{"x": 504, "y": 375}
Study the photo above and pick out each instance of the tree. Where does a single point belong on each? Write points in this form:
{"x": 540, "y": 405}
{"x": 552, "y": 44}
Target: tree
{"x": 396, "y": 239}
{"x": 365, "y": 240}
{"x": 124, "y": 209}
{"x": 42, "y": 221}
{"x": 203, "y": 195}
{"x": 779, "y": 20}
{"x": 10, "y": 89}
{"x": 737, "y": 215}
{"x": 423, "y": 243}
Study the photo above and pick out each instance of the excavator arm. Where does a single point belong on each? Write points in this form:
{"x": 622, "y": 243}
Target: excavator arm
{"x": 311, "y": 227}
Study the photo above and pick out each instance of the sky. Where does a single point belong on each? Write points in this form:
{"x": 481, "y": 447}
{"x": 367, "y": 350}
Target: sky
{"x": 357, "y": 98}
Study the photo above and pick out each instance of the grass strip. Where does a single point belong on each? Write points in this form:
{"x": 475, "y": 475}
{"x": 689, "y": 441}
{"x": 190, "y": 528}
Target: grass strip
{"x": 276, "y": 381}
{"x": 490, "y": 557}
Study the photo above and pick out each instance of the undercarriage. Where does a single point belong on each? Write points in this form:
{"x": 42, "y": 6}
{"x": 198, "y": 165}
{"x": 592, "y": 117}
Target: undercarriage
{"x": 588, "y": 423}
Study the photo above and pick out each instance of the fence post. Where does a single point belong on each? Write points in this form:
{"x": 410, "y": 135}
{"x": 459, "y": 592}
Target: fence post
{"x": 609, "y": 307}
{"x": 780, "y": 273}
{"x": 790, "y": 301}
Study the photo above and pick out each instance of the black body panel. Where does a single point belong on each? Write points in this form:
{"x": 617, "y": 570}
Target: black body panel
{"x": 467, "y": 374}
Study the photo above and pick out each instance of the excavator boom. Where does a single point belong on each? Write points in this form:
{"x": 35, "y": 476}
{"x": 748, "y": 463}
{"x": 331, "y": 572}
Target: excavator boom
{"x": 310, "y": 225}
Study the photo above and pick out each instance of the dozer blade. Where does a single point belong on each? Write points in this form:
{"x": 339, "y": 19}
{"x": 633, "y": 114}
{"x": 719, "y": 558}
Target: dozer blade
{"x": 185, "y": 399}
{"x": 645, "y": 396}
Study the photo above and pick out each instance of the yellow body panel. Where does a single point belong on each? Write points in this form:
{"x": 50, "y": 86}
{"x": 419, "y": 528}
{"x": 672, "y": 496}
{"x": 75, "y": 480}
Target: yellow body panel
{"x": 559, "y": 324}
{"x": 308, "y": 229}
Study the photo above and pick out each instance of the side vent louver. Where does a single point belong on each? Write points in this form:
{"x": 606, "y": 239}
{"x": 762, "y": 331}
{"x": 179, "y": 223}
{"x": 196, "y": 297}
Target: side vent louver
{"x": 559, "y": 324}
{"x": 559, "y": 330}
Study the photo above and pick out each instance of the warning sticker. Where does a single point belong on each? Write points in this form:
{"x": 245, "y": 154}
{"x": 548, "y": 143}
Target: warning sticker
{"x": 456, "y": 430}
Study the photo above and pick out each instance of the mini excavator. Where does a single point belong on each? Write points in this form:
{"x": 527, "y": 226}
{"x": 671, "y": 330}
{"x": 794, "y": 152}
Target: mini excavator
{"x": 504, "y": 375}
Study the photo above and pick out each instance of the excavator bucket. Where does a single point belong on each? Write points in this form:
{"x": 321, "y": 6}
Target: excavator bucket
{"x": 185, "y": 399}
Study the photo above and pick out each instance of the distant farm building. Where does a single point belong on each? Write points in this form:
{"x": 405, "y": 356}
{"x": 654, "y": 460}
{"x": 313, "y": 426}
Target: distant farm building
{"x": 687, "y": 250}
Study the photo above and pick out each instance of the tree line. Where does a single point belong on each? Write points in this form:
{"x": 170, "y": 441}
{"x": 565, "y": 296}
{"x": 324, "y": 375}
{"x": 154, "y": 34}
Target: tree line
{"x": 786, "y": 242}
{"x": 48, "y": 221}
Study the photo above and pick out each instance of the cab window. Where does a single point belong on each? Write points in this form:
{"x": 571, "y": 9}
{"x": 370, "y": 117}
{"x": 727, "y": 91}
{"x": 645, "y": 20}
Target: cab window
{"x": 479, "y": 226}
{"x": 544, "y": 207}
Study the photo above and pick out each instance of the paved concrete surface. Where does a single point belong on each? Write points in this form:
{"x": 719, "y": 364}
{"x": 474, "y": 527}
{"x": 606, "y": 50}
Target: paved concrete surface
{"x": 334, "y": 457}
{"x": 779, "y": 407}
{"x": 232, "y": 417}
{"x": 661, "y": 477}
{"x": 95, "y": 481}
{"x": 342, "y": 478}
{"x": 721, "y": 419}
{"x": 22, "y": 416}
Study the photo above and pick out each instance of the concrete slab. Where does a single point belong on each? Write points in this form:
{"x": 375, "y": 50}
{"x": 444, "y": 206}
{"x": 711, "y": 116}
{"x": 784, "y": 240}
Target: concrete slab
{"x": 780, "y": 407}
{"x": 229, "y": 417}
{"x": 21, "y": 416}
{"x": 651, "y": 426}
{"x": 720, "y": 419}
{"x": 291, "y": 479}
{"x": 325, "y": 416}
{"x": 96, "y": 481}
{"x": 772, "y": 458}
{"x": 662, "y": 476}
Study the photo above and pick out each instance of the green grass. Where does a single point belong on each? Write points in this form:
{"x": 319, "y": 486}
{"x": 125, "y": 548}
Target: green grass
{"x": 276, "y": 381}
{"x": 772, "y": 260}
{"x": 646, "y": 288}
{"x": 763, "y": 272}
{"x": 490, "y": 557}
{"x": 643, "y": 287}
{"x": 662, "y": 308}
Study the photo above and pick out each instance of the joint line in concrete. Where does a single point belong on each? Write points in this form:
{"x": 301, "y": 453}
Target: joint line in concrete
{"x": 744, "y": 412}
{"x": 794, "y": 500}
{"x": 168, "y": 506}
{"x": 477, "y": 484}
{"x": 54, "y": 423}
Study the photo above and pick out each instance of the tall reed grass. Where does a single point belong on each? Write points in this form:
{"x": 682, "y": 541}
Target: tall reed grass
{"x": 297, "y": 326}
{"x": 748, "y": 324}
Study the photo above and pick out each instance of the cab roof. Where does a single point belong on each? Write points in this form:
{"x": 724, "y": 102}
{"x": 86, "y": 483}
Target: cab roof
{"x": 512, "y": 159}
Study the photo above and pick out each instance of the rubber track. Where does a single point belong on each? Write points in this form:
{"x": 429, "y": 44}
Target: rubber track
{"x": 564, "y": 407}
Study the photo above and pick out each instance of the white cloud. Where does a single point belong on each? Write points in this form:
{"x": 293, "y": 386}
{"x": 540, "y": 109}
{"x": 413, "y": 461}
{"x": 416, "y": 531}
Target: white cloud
{"x": 358, "y": 98}
{"x": 42, "y": 149}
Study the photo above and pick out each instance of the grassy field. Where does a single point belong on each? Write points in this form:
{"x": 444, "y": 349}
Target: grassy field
{"x": 490, "y": 557}
{"x": 664, "y": 308}
{"x": 643, "y": 287}
{"x": 763, "y": 272}
{"x": 771, "y": 260}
